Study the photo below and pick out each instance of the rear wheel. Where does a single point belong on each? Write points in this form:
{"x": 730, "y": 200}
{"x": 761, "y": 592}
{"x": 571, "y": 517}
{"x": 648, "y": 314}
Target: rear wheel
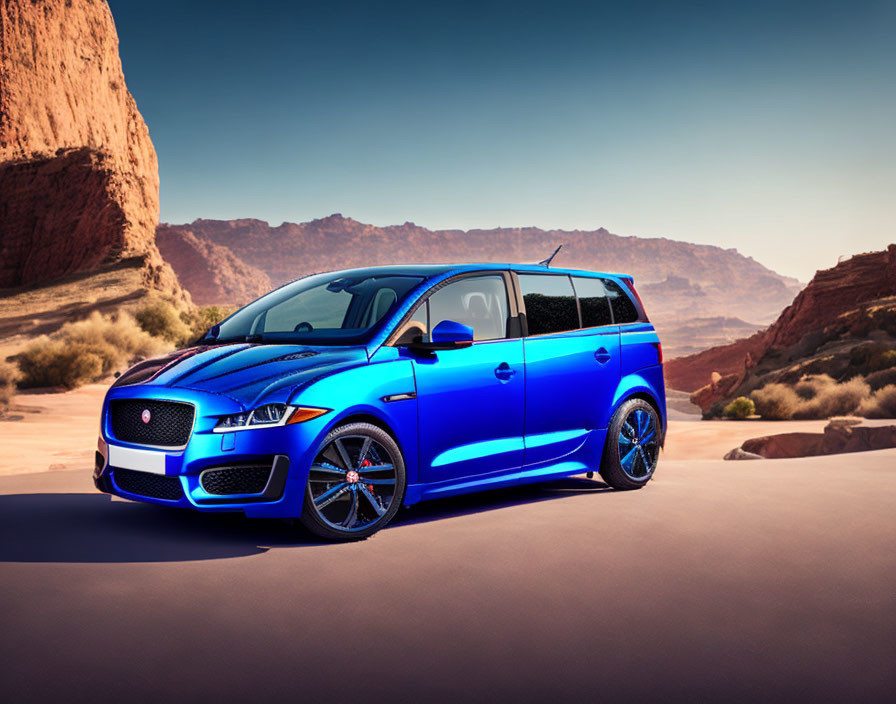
{"x": 632, "y": 448}
{"x": 356, "y": 483}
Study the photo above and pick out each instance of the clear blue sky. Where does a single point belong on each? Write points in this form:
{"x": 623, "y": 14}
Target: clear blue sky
{"x": 765, "y": 126}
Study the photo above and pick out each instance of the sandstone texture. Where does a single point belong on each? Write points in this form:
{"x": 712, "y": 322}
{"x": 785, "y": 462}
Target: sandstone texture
{"x": 678, "y": 281}
{"x": 840, "y": 308}
{"x": 215, "y": 275}
{"x": 79, "y": 184}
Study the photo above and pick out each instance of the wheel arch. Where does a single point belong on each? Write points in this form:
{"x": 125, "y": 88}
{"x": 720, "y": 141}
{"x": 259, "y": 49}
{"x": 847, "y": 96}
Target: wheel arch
{"x": 642, "y": 390}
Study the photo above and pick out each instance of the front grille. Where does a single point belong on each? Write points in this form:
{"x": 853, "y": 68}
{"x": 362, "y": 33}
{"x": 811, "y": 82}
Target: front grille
{"x": 167, "y": 424}
{"x": 154, "y": 486}
{"x": 235, "y": 480}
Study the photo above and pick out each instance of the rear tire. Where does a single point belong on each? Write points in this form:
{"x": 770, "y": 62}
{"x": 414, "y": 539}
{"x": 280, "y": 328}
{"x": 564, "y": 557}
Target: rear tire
{"x": 632, "y": 448}
{"x": 356, "y": 484}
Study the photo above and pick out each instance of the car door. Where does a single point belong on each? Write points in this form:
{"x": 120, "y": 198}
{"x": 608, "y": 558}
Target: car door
{"x": 571, "y": 373}
{"x": 470, "y": 400}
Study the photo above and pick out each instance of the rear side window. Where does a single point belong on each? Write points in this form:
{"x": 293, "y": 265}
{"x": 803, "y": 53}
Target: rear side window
{"x": 624, "y": 310}
{"x": 480, "y": 302}
{"x": 550, "y": 303}
{"x": 593, "y": 302}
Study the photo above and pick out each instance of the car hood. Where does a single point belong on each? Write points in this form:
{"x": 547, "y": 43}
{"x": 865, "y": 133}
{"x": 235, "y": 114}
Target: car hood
{"x": 246, "y": 373}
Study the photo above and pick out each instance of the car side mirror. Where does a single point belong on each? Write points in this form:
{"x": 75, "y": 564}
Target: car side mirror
{"x": 447, "y": 335}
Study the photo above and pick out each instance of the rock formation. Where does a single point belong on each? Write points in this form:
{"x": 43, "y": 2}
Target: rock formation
{"x": 838, "y": 436}
{"x": 79, "y": 184}
{"x": 214, "y": 274}
{"x": 839, "y": 309}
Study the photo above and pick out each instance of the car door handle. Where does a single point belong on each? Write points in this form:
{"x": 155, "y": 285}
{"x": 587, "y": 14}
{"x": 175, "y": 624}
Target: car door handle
{"x": 602, "y": 355}
{"x": 504, "y": 372}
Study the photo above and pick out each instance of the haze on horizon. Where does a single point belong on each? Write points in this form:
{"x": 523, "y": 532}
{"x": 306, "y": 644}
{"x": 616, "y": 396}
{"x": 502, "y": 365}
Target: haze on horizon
{"x": 764, "y": 126}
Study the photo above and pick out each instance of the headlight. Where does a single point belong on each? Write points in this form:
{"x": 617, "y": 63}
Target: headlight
{"x": 267, "y": 416}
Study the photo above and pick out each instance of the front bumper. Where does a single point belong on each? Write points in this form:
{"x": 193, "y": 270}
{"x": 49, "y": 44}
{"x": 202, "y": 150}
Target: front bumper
{"x": 174, "y": 477}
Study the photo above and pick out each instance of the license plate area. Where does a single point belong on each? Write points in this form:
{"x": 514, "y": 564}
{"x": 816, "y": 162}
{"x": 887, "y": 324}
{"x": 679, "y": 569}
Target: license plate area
{"x": 138, "y": 460}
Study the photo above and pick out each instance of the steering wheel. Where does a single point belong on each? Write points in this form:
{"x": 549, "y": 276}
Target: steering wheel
{"x": 304, "y": 326}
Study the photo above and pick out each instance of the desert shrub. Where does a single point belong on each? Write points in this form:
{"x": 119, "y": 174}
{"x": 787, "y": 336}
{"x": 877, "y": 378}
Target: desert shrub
{"x": 48, "y": 362}
{"x": 740, "y": 408}
{"x": 775, "y": 401}
{"x": 9, "y": 376}
{"x": 160, "y": 318}
{"x": 882, "y": 404}
{"x": 811, "y": 398}
{"x": 879, "y": 380}
{"x": 85, "y": 351}
{"x": 203, "y": 318}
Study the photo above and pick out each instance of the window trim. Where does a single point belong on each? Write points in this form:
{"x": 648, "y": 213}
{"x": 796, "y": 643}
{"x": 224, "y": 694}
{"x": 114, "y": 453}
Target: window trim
{"x": 514, "y": 326}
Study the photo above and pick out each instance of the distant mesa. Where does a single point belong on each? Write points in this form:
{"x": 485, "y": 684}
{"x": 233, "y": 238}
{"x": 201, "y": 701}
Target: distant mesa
{"x": 680, "y": 282}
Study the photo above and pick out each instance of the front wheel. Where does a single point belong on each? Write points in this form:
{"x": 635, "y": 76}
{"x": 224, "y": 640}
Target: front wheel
{"x": 356, "y": 483}
{"x": 632, "y": 448}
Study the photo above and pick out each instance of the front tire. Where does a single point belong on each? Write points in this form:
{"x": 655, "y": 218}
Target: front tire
{"x": 356, "y": 484}
{"x": 632, "y": 449}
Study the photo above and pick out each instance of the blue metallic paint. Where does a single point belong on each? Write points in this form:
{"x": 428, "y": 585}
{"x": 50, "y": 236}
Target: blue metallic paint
{"x": 494, "y": 414}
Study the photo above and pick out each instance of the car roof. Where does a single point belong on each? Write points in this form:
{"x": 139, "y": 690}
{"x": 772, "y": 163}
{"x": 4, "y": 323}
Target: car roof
{"x": 433, "y": 270}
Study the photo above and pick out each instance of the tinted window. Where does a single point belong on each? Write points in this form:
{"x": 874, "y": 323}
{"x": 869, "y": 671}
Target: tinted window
{"x": 550, "y": 303}
{"x": 480, "y": 302}
{"x": 624, "y": 310}
{"x": 593, "y": 302}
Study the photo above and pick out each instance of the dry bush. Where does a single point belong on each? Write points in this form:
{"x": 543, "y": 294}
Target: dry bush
{"x": 9, "y": 376}
{"x": 740, "y": 408}
{"x": 160, "y": 318}
{"x": 879, "y": 380}
{"x": 85, "y": 351}
{"x": 776, "y": 401}
{"x": 203, "y": 318}
{"x": 811, "y": 398}
{"x": 882, "y": 404}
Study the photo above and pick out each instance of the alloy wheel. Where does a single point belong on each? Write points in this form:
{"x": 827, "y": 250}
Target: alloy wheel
{"x": 352, "y": 482}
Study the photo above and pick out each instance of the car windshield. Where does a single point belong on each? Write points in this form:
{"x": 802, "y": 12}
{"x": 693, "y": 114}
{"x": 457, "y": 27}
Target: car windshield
{"x": 324, "y": 309}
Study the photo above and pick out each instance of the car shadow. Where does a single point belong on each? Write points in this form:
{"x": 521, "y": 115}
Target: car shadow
{"x": 94, "y": 528}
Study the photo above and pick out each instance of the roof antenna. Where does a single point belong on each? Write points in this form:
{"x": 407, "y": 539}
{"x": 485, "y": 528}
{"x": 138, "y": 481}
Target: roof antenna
{"x": 546, "y": 263}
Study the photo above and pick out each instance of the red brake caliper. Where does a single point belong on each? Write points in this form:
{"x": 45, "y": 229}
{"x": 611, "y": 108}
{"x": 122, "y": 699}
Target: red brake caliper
{"x": 367, "y": 463}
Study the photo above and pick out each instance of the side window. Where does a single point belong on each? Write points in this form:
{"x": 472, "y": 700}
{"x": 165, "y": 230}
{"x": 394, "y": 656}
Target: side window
{"x": 624, "y": 311}
{"x": 479, "y": 301}
{"x": 550, "y": 303}
{"x": 593, "y": 302}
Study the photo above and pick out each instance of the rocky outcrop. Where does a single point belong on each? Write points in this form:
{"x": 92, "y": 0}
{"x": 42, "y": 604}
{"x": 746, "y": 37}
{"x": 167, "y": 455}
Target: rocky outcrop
{"x": 834, "y": 303}
{"x": 214, "y": 273}
{"x": 673, "y": 277}
{"x": 838, "y": 437}
{"x": 79, "y": 183}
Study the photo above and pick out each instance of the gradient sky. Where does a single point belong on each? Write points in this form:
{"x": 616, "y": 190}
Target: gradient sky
{"x": 765, "y": 126}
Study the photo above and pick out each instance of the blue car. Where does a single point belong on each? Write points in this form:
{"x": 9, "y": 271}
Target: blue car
{"x": 343, "y": 396}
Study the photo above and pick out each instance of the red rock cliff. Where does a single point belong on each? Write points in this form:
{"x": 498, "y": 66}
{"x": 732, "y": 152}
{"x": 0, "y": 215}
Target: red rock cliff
{"x": 831, "y": 294}
{"x": 79, "y": 182}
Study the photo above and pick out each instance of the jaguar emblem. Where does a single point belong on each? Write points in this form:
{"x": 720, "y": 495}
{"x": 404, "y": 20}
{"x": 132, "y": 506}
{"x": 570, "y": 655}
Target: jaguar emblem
{"x": 146, "y": 415}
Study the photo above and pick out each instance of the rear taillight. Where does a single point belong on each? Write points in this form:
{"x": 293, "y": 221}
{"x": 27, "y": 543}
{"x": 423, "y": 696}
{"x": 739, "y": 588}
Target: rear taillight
{"x": 659, "y": 352}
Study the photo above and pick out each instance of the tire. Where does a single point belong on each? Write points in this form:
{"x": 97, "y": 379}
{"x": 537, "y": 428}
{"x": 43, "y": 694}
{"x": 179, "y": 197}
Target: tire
{"x": 356, "y": 483}
{"x": 631, "y": 452}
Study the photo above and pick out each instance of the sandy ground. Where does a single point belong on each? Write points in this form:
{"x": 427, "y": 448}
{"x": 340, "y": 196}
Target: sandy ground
{"x": 740, "y": 581}
{"x": 51, "y": 431}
